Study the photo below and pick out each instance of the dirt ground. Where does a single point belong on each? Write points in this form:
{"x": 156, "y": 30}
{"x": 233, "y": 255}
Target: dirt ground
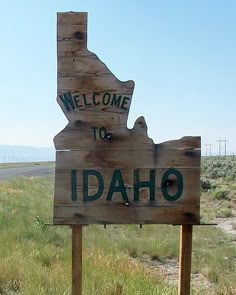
{"x": 169, "y": 269}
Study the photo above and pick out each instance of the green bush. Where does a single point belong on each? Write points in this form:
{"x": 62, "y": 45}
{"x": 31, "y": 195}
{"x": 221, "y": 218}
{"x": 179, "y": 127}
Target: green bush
{"x": 206, "y": 185}
{"x": 224, "y": 213}
{"x": 219, "y": 168}
{"x": 221, "y": 194}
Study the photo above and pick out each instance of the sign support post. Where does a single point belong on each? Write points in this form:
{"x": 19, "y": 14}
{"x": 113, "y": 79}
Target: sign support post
{"x": 76, "y": 259}
{"x": 185, "y": 256}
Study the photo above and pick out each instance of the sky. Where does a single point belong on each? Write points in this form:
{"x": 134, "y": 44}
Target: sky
{"x": 180, "y": 54}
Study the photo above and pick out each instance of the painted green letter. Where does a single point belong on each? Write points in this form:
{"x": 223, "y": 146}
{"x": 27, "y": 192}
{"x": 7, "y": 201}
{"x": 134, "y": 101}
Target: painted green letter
{"x": 150, "y": 184}
{"x": 67, "y": 101}
{"x": 97, "y": 195}
{"x": 117, "y": 177}
{"x": 164, "y": 187}
{"x": 116, "y": 100}
{"x": 124, "y": 103}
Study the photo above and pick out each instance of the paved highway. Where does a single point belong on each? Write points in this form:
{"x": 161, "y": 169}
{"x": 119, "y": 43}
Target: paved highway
{"x": 8, "y": 173}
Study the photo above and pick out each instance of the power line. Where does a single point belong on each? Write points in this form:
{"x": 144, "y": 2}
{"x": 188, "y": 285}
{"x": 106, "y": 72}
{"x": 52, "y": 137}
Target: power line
{"x": 208, "y": 148}
{"x": 224, "y": 146}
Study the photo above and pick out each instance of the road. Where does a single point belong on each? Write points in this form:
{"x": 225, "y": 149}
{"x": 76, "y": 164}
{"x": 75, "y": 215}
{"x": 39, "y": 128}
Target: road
{"x": 8, "y": 173}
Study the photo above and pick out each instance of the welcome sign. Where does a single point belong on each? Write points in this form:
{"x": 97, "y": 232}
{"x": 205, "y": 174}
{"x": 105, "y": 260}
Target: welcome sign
{"x": 105, "y": 172}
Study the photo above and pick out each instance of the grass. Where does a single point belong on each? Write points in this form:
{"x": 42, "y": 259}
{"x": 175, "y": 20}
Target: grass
{"x": 36, "y": 258}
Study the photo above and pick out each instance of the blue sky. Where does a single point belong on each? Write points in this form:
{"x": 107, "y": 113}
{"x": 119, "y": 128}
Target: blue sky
{"x": 181, "y": 55}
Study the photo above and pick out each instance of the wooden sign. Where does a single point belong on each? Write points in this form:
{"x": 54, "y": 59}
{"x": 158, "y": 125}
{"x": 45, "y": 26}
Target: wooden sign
{"x": 105, "y": 172}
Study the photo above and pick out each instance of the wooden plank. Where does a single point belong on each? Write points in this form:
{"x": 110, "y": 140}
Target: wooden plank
{"x": 190, "y": 177}
{"x": 96, "y": 101}
{"x": 74, "y": 65}
{"x": 125, "y": 215}
{"x": 72, "y": 18}
{"x": 69, "y": 32}
{"x": 186, "y": 142}
{"x": 87, "y": 137}
{"x": 128, "y": 159}
{"x": 76, "y": 259}
{"x": 185, "y": 259}
{"x": 190, "y": 191}
{"x": 190, "y": 196}
{"x": 98, "y": 83}
{"x": 69, "y": 48}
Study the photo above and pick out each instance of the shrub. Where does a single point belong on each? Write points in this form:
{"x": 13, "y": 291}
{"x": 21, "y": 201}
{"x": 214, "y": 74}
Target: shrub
{"x": 221, "y": 194}
{"x": 219, "y": 168}
{"x": 206, "y": 185}
{"x": 224, "y": 213}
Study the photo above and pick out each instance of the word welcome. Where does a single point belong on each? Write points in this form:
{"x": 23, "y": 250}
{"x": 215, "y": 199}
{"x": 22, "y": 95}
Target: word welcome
{"x": 117, "y": 185}
{"x": 77, "y": 101}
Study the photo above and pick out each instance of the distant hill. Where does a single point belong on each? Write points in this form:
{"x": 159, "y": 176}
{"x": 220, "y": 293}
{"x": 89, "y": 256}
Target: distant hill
{"x": 15, "y": 153}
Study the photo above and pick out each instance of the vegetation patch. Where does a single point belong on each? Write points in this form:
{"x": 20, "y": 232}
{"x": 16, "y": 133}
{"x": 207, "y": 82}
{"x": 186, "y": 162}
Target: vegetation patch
{"x": 221, "y": 194}
{"x": 219, "y": 167}
{"x": 224, "y": 213}
{"x": 207, "y": 185}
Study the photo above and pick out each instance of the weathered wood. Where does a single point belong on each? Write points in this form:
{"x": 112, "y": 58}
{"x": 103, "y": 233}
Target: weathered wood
{"x": 80, "y": 72}
{"x": 185, "y": 143}
{"x": 189, "y": 197}
{"x": 67, "y": 32}
{"x": 72, "y": 18}
{"x": 127, "y": 159}
{"x": 100, "y": 163}
{"x": 76, "y": 259}
{"x": 132, "y": 215}
{"x": 65, "y": 199}
{"x": 97, "y": 83}
{"x": 86, "y": 136}
{"x": 185, "y": 259}
{"x": 190, "y": 177}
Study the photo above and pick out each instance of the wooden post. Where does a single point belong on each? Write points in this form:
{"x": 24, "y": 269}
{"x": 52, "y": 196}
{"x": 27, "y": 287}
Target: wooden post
{"x": 185, "y": 259}
{"x": 76, "y": 259}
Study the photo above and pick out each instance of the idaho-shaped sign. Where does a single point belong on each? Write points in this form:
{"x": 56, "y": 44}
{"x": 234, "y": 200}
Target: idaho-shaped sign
{"x": 105, "y": 172}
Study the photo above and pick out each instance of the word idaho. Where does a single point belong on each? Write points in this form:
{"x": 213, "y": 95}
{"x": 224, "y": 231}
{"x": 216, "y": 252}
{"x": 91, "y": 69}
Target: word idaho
{"x": 171, "y": 178}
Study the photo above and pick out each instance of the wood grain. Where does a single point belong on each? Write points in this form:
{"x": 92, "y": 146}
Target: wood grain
{"x": 63, "y": 177}
{"x": 96, "y": 138}
{"x": 77, "y": 260}
{"x": 128, "y": 159}
{"x": 132, "y": 215}
{"x": 185, "y": 259}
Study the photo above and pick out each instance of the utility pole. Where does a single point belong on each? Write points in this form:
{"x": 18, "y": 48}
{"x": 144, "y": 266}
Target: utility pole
{"x": 219, "y": 145}
{"x": 225, "y": 143}
{"x": 206, "y": 148}
{"x": 208, "y": 145}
